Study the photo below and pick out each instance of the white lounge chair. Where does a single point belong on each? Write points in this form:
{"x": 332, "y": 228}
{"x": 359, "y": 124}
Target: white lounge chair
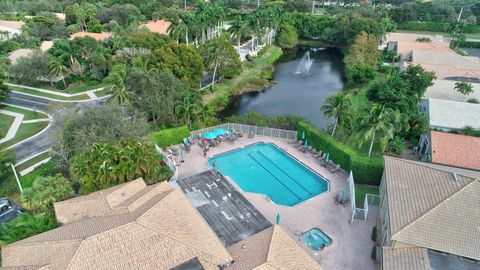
{"x": 334, "y": 169}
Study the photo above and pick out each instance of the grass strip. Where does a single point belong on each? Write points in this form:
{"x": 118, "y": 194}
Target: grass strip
{"x": 32, "y": 161}
{"x": 5, "y": 123}
{"x": 27, "y": 114}
{"x": 25, "y": 131}
{"x": 47, "y": 95}
{"x": 361, "y": 191}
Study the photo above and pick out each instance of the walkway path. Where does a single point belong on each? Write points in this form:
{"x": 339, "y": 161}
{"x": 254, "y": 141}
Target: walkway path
{"x": 12, "y": 131}
{"x": 57, "y": 92}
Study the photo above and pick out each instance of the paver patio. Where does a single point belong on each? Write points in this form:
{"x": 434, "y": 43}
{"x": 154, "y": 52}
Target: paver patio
{"x": 351, "y": 242}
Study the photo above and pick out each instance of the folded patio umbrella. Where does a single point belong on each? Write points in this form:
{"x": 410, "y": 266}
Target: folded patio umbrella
{"x": 303, "y": 135}
{"x": 306, "y": 144}
{"x": 209, "y": 136}
{"x": 278, "y": 219}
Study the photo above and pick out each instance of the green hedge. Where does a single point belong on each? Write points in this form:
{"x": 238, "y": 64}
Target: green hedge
{"x": 425, "y": 26}
{"x": 467, "y": 44}
{"x": 169, "y": 136}
{"x": 365, "y": 170}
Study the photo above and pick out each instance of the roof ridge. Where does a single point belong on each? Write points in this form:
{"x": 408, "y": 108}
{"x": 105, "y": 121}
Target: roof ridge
{"x": 435, "y": 207}
{"x": 178, "y": 240}
{"x": 270, "y": 244}
{"x": 175, "y": 238}
{"x": 423, "y": 164}
{"x": 18, "y": 243}
{"x": 90, "y": 237}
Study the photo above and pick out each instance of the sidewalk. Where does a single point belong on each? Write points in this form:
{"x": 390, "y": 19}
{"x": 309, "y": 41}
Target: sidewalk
{"x": 89, "y": 92}
{"x": 12, "y": 131}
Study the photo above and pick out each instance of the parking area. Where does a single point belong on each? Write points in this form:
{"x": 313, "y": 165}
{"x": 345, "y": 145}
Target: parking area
{"x": 232, "y": 217}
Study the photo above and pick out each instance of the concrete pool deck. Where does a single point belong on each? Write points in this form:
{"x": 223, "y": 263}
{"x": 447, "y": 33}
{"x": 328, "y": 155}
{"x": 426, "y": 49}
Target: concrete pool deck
{"x": 351, "y": 245}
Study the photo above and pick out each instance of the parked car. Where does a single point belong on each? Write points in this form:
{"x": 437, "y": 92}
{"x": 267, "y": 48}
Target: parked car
{"x": 8, "y": 210}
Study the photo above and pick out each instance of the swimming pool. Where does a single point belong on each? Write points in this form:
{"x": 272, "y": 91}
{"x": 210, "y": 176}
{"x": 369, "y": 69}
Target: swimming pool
{"x": 316, "y": 239}
{"x": 266, "y": 169}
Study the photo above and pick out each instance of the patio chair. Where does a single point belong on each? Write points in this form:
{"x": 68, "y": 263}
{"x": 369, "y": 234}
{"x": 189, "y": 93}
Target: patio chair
{"x": 326, "y": 163}
{"x": 251, "y": 135}
{"x": 318, "y": 154}
{"x": 335, "y": 169}
{"x": 322, "y": 157}
{"x": 313, "y": 151}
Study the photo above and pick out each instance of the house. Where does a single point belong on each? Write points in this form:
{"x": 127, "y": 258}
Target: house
{"x": 429, "y": 217}
{"x": 135, "y": 226}
{"x": 10, "y": 27}
{"x": 450, "y": 115}
{"x": 157, "y": 26}
{"x": 451, "y": 149}
{"x": 435, "y": 55}
{"x": 445, "y": 89}
{"x": 96, "y": 36}
{"x": 13, "y": 56}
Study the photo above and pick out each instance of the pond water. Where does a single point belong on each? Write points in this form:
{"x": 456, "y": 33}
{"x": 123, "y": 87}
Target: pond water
{"x": 304, "y": 79}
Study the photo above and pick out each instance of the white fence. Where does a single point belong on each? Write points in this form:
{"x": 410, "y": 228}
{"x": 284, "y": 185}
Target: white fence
{"x": 170, "y": 163}
{"x": 370, "y": 199}
{"x": 248, "y": 129}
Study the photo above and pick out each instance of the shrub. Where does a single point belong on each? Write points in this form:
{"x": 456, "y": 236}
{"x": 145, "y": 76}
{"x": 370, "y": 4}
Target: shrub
{"x": 166, "y": 137}
{"x": 374, "y": 234}
{"x": 473, "y": 100}
{"x": 44, "y": 192}
{"x": 424, "y": 26}
{"x": 25, "y": 225}
{"x": 373, "y": 253}
{"x": 365, "y": 170}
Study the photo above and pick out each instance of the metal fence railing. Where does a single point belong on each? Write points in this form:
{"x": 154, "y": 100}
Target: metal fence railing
{"x": 249, "y": 129}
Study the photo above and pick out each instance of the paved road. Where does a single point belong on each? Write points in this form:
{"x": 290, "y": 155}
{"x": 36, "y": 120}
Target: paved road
{"x": 44, "y": 140}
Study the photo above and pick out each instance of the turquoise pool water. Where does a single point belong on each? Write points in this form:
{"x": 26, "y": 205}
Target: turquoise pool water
{"x": 265, "y": 169}
{"x": 316, "y": 239}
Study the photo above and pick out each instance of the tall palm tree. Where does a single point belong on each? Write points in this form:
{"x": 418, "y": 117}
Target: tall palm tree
{"x": 463, "y": 88}
{"x": 379, "y": 122}
{"x": 177, "y": 28}
{"x": 186, "y": 109}
{"x": 117, "y": 78}
{"x": 238, "y": 29}
{"x": 57, "y": 69}
{"x": 337, "y": 106}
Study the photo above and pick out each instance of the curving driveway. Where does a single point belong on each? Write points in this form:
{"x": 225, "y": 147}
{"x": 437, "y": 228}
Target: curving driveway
{"x": 43, "y": 140}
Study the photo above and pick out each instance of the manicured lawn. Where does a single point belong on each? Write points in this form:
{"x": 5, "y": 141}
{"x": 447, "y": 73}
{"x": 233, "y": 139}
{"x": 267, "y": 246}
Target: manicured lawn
{"x": 28, "y": 115}
{"x": 360, "y": 191}
{"x": 81, "y": 88}
{"x": 5, "y": 123}
{"x": 309, "y": 42}
{"x": 32, "y": 161}
{"x": 47, "y": 95}
{"x": 25, "y": 131}
{"x": 103, "y": 92}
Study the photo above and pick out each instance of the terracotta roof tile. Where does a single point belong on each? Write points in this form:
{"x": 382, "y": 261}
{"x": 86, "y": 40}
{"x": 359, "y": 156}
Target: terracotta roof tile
{"x": 455, "y": 150}
{"x": 158, "y": 26}
{"x": 96, "y": 36}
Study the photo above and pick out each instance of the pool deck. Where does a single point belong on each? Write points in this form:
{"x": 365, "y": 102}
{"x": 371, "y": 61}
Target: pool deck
{"x": 351, "y": 242}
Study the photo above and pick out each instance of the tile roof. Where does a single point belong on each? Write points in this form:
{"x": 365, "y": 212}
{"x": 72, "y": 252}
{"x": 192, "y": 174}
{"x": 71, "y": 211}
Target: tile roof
{"x": 446, "y": 114}
{"x": 430, "y": 208}
{"x": 405, "y": 259}
{"x": 13, "y": 56}
{"x": 100, "y": 203}
{"x": 96, "y": 36}
{"x": 271, "y": 248}
{"x": 162, "y": 233}
{"x": 455, "y": 149}
{"x": 157, "y": 26}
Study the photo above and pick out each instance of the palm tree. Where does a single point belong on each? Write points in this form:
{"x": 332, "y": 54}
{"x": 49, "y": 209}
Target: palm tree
{"x": 117, "y": 77}
{"x": 337, "y": 106}
{"x": 463, "y": 88}
{"x": 25, "y": 225}
{"x": 380, "y": 121}
{"x": 177, "y": 28}
{"x": 185, "y": 109}
{"x": 57, "y": 69}
{"x": 238, "y": 29}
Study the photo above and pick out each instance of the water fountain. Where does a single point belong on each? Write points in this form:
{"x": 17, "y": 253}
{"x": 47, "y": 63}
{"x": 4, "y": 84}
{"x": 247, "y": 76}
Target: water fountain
{"x": 305, "y": 64}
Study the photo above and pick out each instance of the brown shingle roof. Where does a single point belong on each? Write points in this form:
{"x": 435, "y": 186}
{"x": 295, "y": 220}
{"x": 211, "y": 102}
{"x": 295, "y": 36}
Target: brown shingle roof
{"x": 455, "y": 150}
{"x": 161, "y": 233}
{"x": 405, "y": 259}
{"x": 433, "y": 208}
{"x": 255, "y": 252}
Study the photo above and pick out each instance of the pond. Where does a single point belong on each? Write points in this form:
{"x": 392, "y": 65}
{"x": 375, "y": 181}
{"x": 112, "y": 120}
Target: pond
{"x": 304, "y": 79}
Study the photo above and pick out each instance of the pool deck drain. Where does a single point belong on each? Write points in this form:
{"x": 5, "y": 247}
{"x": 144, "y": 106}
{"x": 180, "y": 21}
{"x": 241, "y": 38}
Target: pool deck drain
{"x": 232, "y": 217}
